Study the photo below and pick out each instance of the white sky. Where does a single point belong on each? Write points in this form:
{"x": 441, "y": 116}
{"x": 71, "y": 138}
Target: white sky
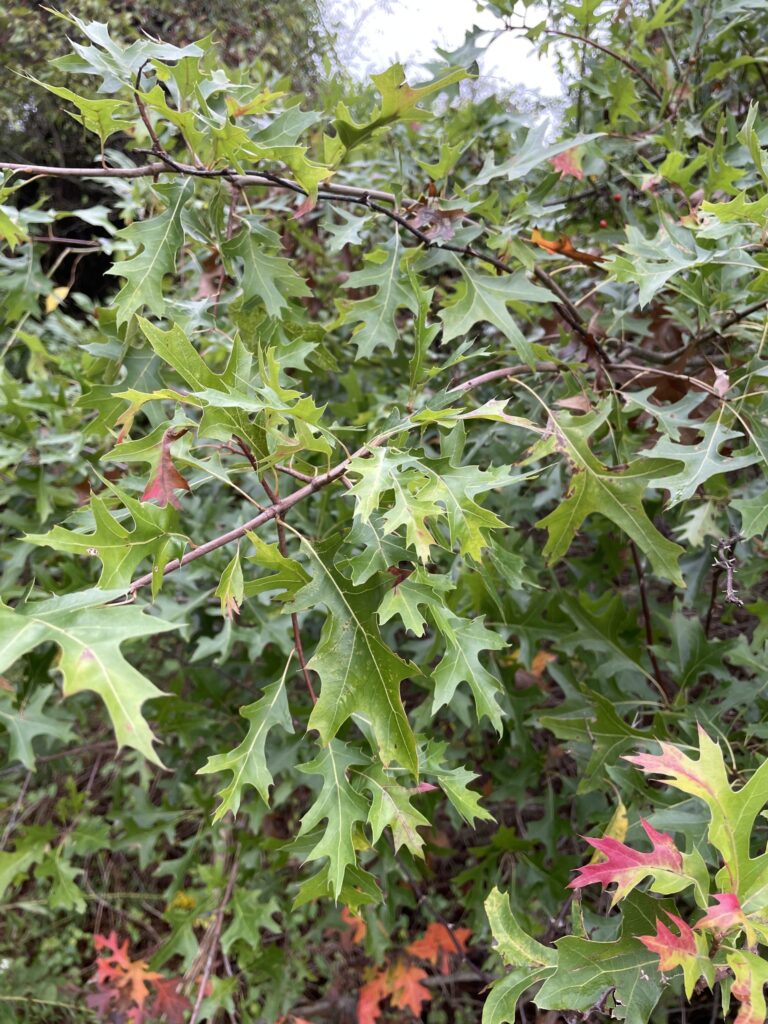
{"x": 380, "y": 32}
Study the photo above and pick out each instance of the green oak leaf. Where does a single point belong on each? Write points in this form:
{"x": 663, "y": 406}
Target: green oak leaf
{"x": 375, "y": 317}
{"x": 454, "y": 782}
{"x": 359, "y": 674}
{"x": 102, "y": 117}
{"x": 27, "y": 722}
{"x": 701, "y": 460}
{"x": 587, "y": 971}
{"x": 617, "y": 495}
{"x": 465, "y": 639}
{"x": 248, "y": 762}
{"x": 119, "y": 549}
{"x": 398, "y": 100}
{"x": 421, "y": 589}
{"x": 340, "y": 805}
{"x": 391, "y": 806}
{"x": 157, "y": 240}
{"x": 264, "y": 277}
{"x": 500, "y": 1006}
{"x": 512, "y": 943}
{"x": 89, "y": 634}
{"x": 484, "y": 298}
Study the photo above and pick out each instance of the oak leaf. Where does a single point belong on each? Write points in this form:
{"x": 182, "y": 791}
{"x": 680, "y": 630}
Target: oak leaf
{"x": 166, "y": 479}
{"x": 686, "y": 950}
{"x": 128, "y": 977}
{"x": 627, "y": 867}
{"x": 438, "y": 943}
{"x": 563, "y": 246}
{"x": 725, "y": 915}
{"x": 568, "y": 163}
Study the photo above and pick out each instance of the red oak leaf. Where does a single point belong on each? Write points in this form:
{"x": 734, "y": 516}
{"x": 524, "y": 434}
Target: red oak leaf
{"x": 628, "y": 867}
{"x": 569, "y": 163}
{"x": 686, "y": 950}
{"x": 356, "y": 925}
{"x": 726, "y": 915}
{"x": 437, "y": 944}
{"x": 407, "y": 992}
{"x": 672, "y": 949}
{"x": 166, "y": 478}
{"x": 369, "y": 999}
{"x": 169, "y": 1003}
{"x": 129, "y": 976}
{"x": 400, "y": 983}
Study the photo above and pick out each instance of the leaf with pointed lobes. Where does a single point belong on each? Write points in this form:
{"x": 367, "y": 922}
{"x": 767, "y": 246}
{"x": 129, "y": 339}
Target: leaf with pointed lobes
{"x": 725, "y": 915}
{"x": 339, "y": 805}
{"x": 90, "y": 633}
{"x": 439, "y": 942}
{"x": 391, "y": 805}
{"x": 686, "y": 950}
{"x": 568, "y": 163}
{"x": 401, "y": 983}
{"x": 627, "y": 867}
{"x": 116, "y": 968}
{"x": 733, "y": 813}
{"x": 248, "y": 761}
{"x": 359, "y": 673}
{"x": 751, "y": 976}
{"x": 166, "y": 478}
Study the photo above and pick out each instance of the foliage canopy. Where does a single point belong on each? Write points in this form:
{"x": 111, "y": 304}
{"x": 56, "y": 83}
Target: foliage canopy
{"x": 364, "y": 461}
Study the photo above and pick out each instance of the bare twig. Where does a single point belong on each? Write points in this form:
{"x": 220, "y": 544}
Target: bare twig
{"x": 611, "y": 53}
{"x": 647, "y": 621}
{"x": 330, "y": 192}
{"x": 273, "y": 512}
{"x": 214, "y": 940}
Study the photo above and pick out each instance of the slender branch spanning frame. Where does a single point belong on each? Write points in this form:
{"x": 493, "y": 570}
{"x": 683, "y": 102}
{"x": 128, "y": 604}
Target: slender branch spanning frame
{"x": 385, "y": 203}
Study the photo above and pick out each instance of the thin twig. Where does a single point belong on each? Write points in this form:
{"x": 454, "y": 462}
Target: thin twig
{"x": 274, "y": 496}
{"x": 647, "y": 621}
{"x": 611, "y": 53}
{"x": 371, "y": 198}
{"x": 214, "y": 940}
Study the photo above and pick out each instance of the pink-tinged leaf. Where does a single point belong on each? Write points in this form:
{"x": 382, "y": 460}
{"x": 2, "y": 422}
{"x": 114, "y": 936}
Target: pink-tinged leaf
{"x": 166, "y": 478}
{"x": 702, "y": 778}
{"x": 751, "y": 974}
{"x": 686, "y": 950}
{"x": 306, "y": 207}
{"x": 627, "y": 867}
{"x": 726, "y": 915}
{"x": 169, "y": 1003}
{"x": 569, "y": 163}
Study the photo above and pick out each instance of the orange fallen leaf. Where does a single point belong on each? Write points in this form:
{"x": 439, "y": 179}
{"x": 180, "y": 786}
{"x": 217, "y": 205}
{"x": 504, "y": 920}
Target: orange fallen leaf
{"x": 356, "y": 925}
{"x": 438, "y": 943}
